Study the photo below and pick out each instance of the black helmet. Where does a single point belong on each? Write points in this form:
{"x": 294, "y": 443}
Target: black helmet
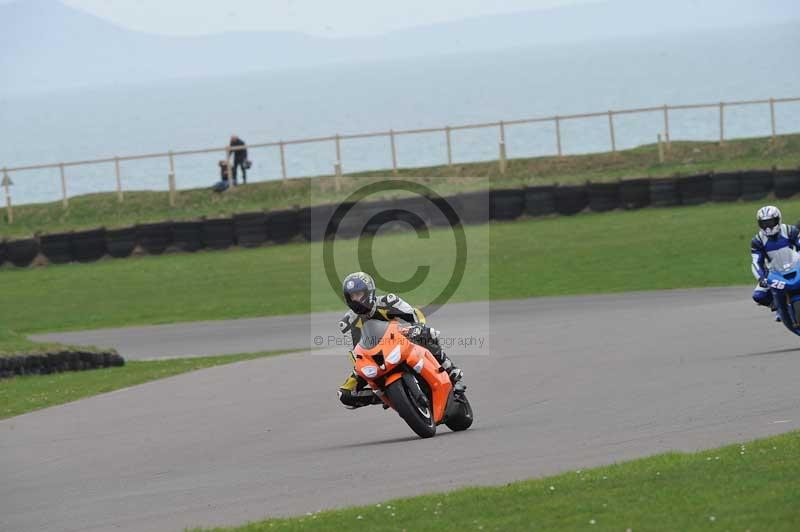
{"x": 359, "y": 293}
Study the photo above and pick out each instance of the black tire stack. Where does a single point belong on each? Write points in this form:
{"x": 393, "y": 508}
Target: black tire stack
{"x": 219, "y": 233}
{"x": 154, "y": 238}
{"x": 22, "y": 252}
{"x": 756, "y": 184}
{"x": 634, "y": 193}
{"x": 786, "y": 183}
{"x": 506, "y": 203}
{"x": 251, "y": 229}
{"x": 571, "y": 199}
{"x": 664, "y": 192}
{"x": 283, "y": 226}
{"x": 89, "y": 246}
{"x": 604, "y": 196}
{"x": 473, "y": 207}
{"x": 188, "y": 236}
{"x": 695, "y": 189}
{"x": 726, "y": 187}
{"x": 540, "y": 201}
{"x": 66, "y": 360}
{"x": 57, "y": 247}
{"x": 120, "y": 243}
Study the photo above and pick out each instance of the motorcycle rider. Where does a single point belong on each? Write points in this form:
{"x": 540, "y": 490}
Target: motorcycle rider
{"x": 772, "y": 236}
{"x": 359, "y": 294}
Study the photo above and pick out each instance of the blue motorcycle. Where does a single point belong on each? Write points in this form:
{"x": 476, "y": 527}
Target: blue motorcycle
{"x": 783, "y": 281}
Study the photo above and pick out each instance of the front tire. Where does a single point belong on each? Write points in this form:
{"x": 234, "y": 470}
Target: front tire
{"x": 419, "y": 417}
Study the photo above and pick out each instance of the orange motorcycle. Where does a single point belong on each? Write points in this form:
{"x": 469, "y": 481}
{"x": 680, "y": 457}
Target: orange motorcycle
{"x": 408, "y": 378}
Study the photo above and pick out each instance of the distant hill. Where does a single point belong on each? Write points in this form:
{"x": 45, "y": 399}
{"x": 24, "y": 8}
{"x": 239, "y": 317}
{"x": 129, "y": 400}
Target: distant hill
{"x": 45, "y": 45}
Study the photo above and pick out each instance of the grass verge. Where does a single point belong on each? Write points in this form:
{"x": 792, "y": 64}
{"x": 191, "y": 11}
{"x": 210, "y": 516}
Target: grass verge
{"x": 96, "y": 210}
{"x": 740, "y": 487}
{"x": 590, "y": 253}
{"x": 19, "y": 395}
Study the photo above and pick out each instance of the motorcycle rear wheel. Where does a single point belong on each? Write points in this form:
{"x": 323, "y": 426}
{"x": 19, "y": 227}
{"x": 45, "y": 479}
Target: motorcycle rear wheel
{"x": 418, "y": 417}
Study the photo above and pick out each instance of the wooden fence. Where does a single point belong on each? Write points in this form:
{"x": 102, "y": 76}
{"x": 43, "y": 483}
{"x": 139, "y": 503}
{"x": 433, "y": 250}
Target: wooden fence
{"x": 391, "y": 135}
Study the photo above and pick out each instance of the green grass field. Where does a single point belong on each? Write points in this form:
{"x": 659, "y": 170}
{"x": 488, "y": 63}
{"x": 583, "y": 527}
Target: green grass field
{"x": 25, "y": 394}
{"x": 589, "y": 253}
{"x": 750, "y": 486}
{"x": 98, "y": 210}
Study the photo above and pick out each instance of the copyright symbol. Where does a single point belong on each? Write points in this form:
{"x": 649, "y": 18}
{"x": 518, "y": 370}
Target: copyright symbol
{"x": 360, "y": 218}
{"x": 318, "y": 340}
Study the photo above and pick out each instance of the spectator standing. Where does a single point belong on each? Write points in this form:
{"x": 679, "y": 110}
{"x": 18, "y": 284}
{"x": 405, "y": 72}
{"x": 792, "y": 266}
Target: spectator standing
{"x": 239, "y": 158}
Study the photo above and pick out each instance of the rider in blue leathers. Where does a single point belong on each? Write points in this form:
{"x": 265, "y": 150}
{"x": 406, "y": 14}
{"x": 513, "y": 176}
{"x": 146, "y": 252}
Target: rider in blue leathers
{"x": 771, "y": 237}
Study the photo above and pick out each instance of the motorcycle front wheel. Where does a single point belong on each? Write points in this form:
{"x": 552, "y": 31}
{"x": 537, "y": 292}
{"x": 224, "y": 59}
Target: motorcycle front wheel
{"x": 418, "y": 414}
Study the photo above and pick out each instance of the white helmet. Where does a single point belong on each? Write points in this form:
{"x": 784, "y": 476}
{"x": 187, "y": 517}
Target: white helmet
{"x": 769, "y": 220}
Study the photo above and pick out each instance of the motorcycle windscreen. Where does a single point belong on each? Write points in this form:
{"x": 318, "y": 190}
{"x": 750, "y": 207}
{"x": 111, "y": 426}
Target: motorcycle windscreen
{"x": 372, "y": 332}
{"x": 783, "y": 260}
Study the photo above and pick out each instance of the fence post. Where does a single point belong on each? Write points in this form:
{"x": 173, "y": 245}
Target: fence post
{"x": 666, "y": 127}
{"x": 502, "y": 148}
{"x": 172, "y": 180}
{"x": 611, "y": 131}
{"x": 7, "y": 183}
{"x": 339, "y": 154}
{"x": 660, "y": 150}
{"x": 394, "y": 151}
{"x": 449, "y": 146}
{"x": 228, "y": 171}
{"x": 119, "y": 181}
{"x": 337, "y": 175}
{"x": 772, "y": 117}
{"x": 64, "y": 199}
{"x": 283, "y": 160}
{"x": 721, "y": 123}
{"x": 558, "y": 134}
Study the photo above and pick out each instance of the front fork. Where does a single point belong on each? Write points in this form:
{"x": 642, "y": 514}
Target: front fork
{"x": 783, "y": 302}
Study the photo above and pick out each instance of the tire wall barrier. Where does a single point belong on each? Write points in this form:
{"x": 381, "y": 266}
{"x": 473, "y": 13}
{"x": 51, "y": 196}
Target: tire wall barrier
{"x": 22, "y": 252}
{"x": 57, "y": 362}
{"x": 473, "y": 207}
{"x": 121, "y": 242}
{"x": 540, "y": 201}
{"x": 57, "y": 247}
{"x": 695, "y": 189}
{"x": 756, "y": 184}
{"x": 283, "y": 226}
{"x": 506, "y": 204}
{"x": 604, "y": 196}
{"x": 89, "y": 246}
{"x": 726, "y": 187}
{"x": 634, "y": 193}
{"x": 218, "y": 233}
{"x": 188, "y": 236}
{"x": 664, "y": 192}
{"x": 786, "y": 183}
{"x": 154, "y": 238}
{"x": 258, "y": 228}
{"x": 571, "y": 199}
{"x": 250, "y": 229}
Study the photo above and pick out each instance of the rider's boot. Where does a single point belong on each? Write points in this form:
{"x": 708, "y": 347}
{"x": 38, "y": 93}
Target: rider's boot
{"x": 774, "y": 308}
{"x": 453, "y": 371}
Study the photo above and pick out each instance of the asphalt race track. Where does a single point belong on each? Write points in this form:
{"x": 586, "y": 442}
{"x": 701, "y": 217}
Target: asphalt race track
{"x": 569, "y": 383}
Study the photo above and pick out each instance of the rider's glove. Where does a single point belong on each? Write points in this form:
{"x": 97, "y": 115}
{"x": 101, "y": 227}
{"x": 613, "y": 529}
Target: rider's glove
{"x": 762, "y": 282}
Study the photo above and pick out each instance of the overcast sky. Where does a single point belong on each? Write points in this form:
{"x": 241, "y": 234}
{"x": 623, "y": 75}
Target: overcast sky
{"x": 319, "y": 17}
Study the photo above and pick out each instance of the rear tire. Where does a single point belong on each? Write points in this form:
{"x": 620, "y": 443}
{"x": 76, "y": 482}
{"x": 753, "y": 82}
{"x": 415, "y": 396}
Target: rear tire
{"x": 462, "y": 418}
{"x": 414, "y": 415}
